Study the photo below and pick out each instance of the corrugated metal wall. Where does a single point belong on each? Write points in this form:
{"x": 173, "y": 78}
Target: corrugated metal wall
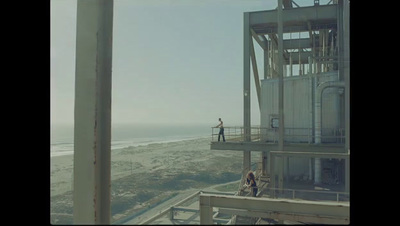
{"x": 299, "y": 99}
{"x": 299, "y": 107}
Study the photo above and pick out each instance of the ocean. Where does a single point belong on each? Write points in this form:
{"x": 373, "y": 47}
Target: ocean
{"x": 129, "y": 135}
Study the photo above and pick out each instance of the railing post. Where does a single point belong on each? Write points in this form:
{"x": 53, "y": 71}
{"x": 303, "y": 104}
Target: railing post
{"x": 206, "y": 210}
{"x": 171, "y": 213}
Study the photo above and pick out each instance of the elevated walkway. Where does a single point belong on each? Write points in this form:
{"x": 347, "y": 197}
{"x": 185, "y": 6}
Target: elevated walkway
{"x": 266, "y": 139}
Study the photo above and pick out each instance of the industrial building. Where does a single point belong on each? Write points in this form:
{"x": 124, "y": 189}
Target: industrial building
{"x": 304, "y": 134}
{"x": 304, "y": 102}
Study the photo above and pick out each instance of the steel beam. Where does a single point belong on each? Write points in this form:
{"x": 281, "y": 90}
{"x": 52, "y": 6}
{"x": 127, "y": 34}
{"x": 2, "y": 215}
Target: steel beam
{"x": 282, "y": 209}
{"x": 260, "y": 42}
{"x": 297, "y": 43}
{"x": 255, "y": 72}
{"x": 287, "y": 4}
{"x": 246, "y": 76}
{"x": 92, "y": 115}
{"x": 309, "y": 154}
{"x": 267, "y": 28}
{"x": 295, "y": 19}
{"x": 266, "y": 58}
{"x": 246, "y": 90}
{"x": 258, "y": 146}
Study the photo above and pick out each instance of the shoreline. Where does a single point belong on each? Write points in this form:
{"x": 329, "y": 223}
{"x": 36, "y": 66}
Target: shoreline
{"x": 71, "y": 152}
{"x": 169, "y": 167}
{"x": 170, "y": 158}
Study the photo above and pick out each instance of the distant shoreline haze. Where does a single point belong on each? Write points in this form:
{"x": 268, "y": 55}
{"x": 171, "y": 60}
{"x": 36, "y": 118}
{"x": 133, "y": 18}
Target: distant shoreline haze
{"x": 133, "y": 134}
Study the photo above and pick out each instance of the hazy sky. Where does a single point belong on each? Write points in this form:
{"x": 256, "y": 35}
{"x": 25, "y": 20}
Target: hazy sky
{"x": 174, "y": 61}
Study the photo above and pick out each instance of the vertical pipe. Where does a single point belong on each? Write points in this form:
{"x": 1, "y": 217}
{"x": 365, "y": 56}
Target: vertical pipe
{"x": 280, "y": 74}
{"x": 291, "y": 64}
{"x": 331, "y": 51}
{"x": 300, "y": 71}
{"x": 317, "y": 130}
{"x": 246, "y": 77}
{"x": 323, "y": 36}
{"x": 287, "y": 163}
{"x": 272, "y": 57}
{"x": 92, "y": 114}
{"x": 264, "y": 163}
{"x": 314, "y": 54}
{"x": 317, "y": 178}
{"x": 317, "y": 113}
{"x": 346, "y": 70}
{"x": 272, "y": 160}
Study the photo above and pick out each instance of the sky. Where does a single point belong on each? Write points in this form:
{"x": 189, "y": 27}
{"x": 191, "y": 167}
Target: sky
{"x": 174, "y": 61}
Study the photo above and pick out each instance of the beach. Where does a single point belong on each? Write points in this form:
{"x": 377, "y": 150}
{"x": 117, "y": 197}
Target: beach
{"x": 145, "y": 175}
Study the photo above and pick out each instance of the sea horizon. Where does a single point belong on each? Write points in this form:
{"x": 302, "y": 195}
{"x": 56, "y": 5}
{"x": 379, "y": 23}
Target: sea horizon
{"x": 130, "y": 135}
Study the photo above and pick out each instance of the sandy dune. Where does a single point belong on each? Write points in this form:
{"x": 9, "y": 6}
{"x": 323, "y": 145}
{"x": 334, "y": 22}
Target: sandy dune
{"x": 145, "y": 175}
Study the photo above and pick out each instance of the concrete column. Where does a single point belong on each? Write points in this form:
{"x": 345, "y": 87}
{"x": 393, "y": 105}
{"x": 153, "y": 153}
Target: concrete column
{"x": 92, "y": 116}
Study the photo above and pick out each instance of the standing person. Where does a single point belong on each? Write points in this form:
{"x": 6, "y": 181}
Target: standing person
{"x": 221, "y": 130}
{"x": 251, "y": 182}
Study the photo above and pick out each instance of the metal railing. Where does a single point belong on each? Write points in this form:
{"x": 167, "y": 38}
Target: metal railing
{"x": 270, "y": 135}
{"x": 307, "y": 194}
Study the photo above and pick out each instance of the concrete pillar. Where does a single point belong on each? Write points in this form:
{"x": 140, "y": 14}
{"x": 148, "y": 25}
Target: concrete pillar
{"x": 92, "y": 116}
